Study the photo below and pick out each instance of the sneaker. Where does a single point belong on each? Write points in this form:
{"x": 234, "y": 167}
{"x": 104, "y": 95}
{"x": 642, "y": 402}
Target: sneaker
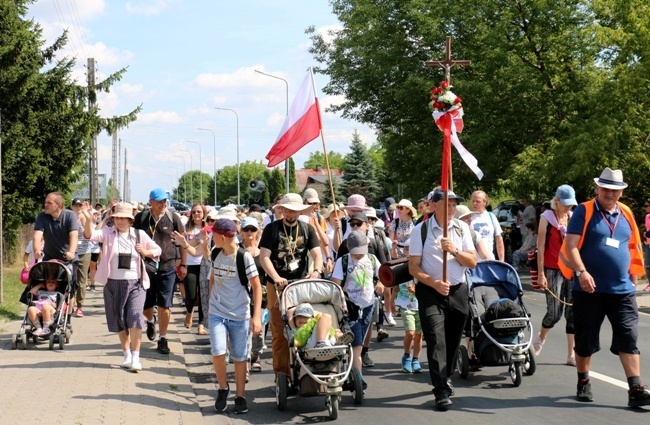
{"x": 126, "y": 364}
{"x": 647, "y": 288}
{"x": 407, "y": 364}
{"x": 222, "y": 400}
{"x": 443, "y": 402}
{"x": 183, "y": 302}
{"x": 240, "y": 405}
{"x": 79, "y": 313}
{"x": 151, "y": 330}
{"x": 46, "y": 332}
{"x": 38, "y": 332}
{"x": 345, "y": 339}
{"x": 415, "y": 366}
{"x": 571, "y": 361}
{"x": 136, "y": 366}
{"x": 538, "y": 343}
{"x": 322, "y": 344}
{"x": 638, "y": 396}
{"x": 367, "y": 361}
{"x": 452, "y": 390}
{"x": 381, "y": 335}
{"x": 584, "y": 391}
{"x": 389, "y": 319}
{"x": 163, "y": 348}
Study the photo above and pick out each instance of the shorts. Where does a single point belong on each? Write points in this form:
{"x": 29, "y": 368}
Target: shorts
{"x": 94, "y": 256}
{"x": 360, "y": 326}
{"x": 411, "y": 320}
{"x": 226, "y": 332}
{"x": 161, "y": 289}
{"x": 589, "y": 312}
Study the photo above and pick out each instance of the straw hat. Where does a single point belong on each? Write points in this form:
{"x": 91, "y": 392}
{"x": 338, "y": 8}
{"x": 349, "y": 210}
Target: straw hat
{"x": 330, "y": 210}
{"x": 123, "y": 209}
{"x": 408, "y": 204}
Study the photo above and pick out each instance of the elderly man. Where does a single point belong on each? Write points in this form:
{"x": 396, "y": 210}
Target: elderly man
{"x": 442, "y": 300}
{"x": 159, "y": 224}
{"x": 284, "y": 247}
{"x": 603, "y": 249}
{"x": 485, "y": 223}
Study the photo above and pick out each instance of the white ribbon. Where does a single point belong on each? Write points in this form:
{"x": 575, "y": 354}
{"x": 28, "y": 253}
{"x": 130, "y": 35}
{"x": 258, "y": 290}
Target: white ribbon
{"x": 467, "y": 157}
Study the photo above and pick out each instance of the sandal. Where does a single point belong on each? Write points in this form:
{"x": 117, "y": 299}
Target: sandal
{"x": 256, "y": 367}
{"x": 188, "y": 320}
{"x": 201, "y": 330}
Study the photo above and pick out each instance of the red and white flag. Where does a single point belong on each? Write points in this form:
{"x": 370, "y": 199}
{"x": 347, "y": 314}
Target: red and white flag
{"x": 303, "y": 124}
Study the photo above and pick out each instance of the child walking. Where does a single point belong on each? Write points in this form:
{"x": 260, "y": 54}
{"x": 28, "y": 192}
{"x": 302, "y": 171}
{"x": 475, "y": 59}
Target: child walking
{"x": 408, "y": 306}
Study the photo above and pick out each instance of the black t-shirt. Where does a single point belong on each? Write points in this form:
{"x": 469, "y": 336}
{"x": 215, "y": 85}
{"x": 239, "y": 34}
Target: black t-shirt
{"x": 161, "y": 233}
{"x": 289, "y": 246}
{"x": 56, "y": 234}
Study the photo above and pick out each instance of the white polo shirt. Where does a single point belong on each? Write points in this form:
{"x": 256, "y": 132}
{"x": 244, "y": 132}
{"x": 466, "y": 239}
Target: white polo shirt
{"x": 431, "y": 253}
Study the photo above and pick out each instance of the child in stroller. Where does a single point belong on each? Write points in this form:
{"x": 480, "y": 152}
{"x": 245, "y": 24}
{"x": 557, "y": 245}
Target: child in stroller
{"x": 43, "y": 306}
{"x": 315, "y": 330}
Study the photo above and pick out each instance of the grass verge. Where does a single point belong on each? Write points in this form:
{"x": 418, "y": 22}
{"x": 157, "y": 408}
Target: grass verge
{"x": 11, "y": 309}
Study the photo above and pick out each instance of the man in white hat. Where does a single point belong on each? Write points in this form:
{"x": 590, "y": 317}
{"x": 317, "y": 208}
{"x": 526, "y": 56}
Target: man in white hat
{"x": 602, "y": 249}
{"x": 283, "y": 253}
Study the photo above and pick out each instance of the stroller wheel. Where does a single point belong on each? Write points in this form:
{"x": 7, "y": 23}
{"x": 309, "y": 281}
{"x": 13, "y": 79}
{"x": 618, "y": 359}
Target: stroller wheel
{"x": 23, "y": 341}
{"x": 61, "y": 341}
{"x": 530, "y": 365}
{"x": 14, "y": 341}
{"x": 52, "y": 341}
{"x": 357, "y": 385}
{"x": 333, "y": 407}
{"x": 281, "y": 391}
{"x": 515, "y": 373}
{"x": 462, "y": 362}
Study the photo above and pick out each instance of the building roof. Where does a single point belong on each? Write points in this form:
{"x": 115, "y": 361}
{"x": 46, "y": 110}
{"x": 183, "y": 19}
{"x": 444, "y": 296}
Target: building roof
{"x": 304, "y": 175}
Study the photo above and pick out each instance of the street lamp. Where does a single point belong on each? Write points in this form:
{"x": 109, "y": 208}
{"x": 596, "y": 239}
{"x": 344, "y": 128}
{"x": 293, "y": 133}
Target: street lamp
{"x": 191, "y": 178}
{"x": 238, "y": 178}
{"x": 184, "y": 179}
{"x": 286, "y": 162}
{"x": 214, "y": 161}
{"x": 200, "y": 170}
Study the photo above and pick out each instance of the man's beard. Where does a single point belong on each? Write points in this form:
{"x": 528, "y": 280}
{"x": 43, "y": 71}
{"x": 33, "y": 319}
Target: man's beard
{"x": 290, "y": 220}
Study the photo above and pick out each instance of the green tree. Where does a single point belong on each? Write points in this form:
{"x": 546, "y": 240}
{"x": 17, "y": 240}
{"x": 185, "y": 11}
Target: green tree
{"x": 275, "y": 183}
{"x": 292, "y": 176}
{"x": 227, "y": 181}
{"x": 338, "y": 193}
{"x": 317, "y": 159}
{"x": 359, "y": 174}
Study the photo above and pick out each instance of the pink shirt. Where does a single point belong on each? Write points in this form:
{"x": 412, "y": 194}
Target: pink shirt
{"x": 107, "y": 236}
{"x": 647, "y": 227}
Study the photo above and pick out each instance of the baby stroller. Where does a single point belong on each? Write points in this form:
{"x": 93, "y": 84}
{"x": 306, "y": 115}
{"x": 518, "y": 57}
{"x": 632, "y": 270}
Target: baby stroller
{"x": 39, "y": 273}
{"x": 501, "y": 330}
{"x": 317, "y": 371}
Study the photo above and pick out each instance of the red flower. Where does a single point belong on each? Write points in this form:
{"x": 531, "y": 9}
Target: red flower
{"x": 444, "y": 85}
{"x": 458, "y": 100}
{"x": 436, "y": 91}
{"x": 439, "y": 105}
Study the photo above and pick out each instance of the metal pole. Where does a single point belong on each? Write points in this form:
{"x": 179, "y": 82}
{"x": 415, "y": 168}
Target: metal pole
{"x": 286, "y": 162}
{"x": 214, "y": 161}
{"x": 191, "y": 177}
{"x": 238, "y": 177}
{"x": 184, "y": 179}
{"x": 200, "y": 170}
{"x": 2, "y": 233}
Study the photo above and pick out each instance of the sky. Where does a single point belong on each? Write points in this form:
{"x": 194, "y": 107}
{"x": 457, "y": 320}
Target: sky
{"x": 186, "y": 58}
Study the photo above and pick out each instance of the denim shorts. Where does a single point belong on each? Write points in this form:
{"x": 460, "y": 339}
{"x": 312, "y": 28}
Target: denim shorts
{"x": 223, "y": 331}
{"x": 360, "y": 326}
{"x": 161, "y": 289}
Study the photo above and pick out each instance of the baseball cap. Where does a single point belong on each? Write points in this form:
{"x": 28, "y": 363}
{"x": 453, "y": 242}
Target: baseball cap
{"x": 158, "y": 194}
{"x": 358, "y": 242}
{"x": 359, "y": 216}
{"x": 77, "y": 201}
{"x": 566, "y": 195}
{"x": 440, "y": 194}
{"x": 311, "y": 196}
{"x": 225, "y": 227}
{"x": 250, "y": 221}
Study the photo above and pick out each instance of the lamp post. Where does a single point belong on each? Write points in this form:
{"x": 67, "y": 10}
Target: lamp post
{"x": 184, "y": 179}
{"x": 200, "y": 169}
{"x": 214, "y": 161}
{"x": 191, "y": 178}
{"x": 286, "y": 162}
{"x": 238, "y": 177}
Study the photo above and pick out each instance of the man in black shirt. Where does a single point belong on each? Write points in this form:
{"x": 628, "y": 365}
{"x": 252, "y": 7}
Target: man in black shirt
{"x": 283, "y": 252}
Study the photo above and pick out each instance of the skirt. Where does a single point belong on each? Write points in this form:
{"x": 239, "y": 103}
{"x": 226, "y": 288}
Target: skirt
{"x": 124, "y": 303}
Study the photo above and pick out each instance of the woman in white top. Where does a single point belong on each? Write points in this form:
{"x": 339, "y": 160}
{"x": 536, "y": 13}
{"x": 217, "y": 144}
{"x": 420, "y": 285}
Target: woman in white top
{"x": 191, "y": 282}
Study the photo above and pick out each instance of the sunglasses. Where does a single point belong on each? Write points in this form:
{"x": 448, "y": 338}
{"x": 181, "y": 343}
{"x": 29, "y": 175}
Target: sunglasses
{"x": 249, "y": 229}
{"x": 647, "y": 205}
{"x": 372, "y": 219}
{"x": 400, "y": 207}
{"x": 356, "y": 223}
{"x": 313, "y": 203}
{"x": 210, "y": 220}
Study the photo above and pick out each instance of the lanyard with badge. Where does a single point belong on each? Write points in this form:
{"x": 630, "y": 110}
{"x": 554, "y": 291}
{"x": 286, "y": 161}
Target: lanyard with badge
{"x": 612, "y": 227}
{"x": 293, "y": 246}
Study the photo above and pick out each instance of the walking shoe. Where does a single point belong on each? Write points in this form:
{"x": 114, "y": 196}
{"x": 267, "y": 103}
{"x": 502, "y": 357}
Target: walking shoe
{"x": 163, "y": 348}
{"x": 240, "y": 405}
{"x": 584, "y": 391}
{"x": 638, "y": 396}
{"x": 79, "y": 313}
{"x": 571, "y": 361}
{"x": 136, "y": 366}
{"x": 222, "y": 400}
{"x": 452, "y": 390}
{"x": 538, "y": 343}
{"x": 415, "y": 366}
{"x": 322, "y": 344}
{"x": 345, "y": 339}
{"x": 38, "y": 332}
{"x": 46, "y": 332}
{"x": 151, "y": 330}
{"x": 126, "y": 364}
{"x": 367, "y": 361}
{"x": 183, "y": 302}
{"x": 381, "y": 335}
{"x": 389, "y": 319}
{"x": 443, "y": 402}
{"x": 407, "y": 365}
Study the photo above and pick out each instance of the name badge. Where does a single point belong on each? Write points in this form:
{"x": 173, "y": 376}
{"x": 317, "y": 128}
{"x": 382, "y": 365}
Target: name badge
{"x": 612, "y": 242}
{"x": 293, "y": 266}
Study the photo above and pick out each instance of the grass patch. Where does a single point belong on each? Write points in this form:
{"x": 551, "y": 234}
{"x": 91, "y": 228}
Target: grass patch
{"x": 11, "y": 309}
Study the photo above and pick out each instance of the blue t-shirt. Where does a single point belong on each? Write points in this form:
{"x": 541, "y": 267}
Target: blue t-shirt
{"x": 609, "y": 266}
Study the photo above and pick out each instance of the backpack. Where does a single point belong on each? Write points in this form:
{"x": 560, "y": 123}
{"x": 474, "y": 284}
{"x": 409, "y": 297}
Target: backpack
{"x": 345, "y": 261}
{"x": 144, "y": 218}
{"x": 241, "y": 267}
{"x": 458, "y": 229}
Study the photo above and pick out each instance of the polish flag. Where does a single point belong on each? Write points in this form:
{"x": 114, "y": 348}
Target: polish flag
{"x": 303, "y": 124}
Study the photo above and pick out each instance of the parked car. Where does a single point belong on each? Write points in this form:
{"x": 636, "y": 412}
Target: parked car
{"x": 178, "y": 206}
{"x": 507, "y": 213}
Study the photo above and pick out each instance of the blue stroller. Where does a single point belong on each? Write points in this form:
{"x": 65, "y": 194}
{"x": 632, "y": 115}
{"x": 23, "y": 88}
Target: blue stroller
{"x": 501, "y": 331}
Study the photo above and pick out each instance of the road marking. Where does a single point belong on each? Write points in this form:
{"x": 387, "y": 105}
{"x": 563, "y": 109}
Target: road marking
{"x": 617, "y": 382}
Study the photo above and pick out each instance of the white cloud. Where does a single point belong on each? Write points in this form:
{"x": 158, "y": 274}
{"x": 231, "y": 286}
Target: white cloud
{"x": 164, "y": 117}
{"x": 149, "y": 7}
{"x": 241, "y": 78}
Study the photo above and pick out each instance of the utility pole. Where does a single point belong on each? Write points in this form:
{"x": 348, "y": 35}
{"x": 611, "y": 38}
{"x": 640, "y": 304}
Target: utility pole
{"x": 113, "y": 167}
{"x": 119, "y": 165}
{"x": 93, "y": 178}
{"x": 126, "y": 177}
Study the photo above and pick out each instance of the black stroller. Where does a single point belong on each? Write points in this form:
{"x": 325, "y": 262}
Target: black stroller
{"x": 60, "y": 333}
{"x": 501, "y": 330}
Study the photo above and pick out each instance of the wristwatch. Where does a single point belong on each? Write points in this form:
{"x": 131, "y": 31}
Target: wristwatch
{"x": 579, "y": 272}
{"x": 455, "y": 253}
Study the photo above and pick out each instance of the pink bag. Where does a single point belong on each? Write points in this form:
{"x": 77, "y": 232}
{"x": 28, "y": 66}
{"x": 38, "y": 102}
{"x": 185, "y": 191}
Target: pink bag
{"x": 24, "y": 276}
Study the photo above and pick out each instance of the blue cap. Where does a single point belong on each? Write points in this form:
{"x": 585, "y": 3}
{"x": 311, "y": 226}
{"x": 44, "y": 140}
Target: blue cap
{"x": 158, "y": 194}
{"x": 250, "y": 221}
{"x": 566, "y": 195}
{"x": 439, "y": 194}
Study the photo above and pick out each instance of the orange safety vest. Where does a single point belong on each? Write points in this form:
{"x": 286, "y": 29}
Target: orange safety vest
{"x": 636, "y": 255}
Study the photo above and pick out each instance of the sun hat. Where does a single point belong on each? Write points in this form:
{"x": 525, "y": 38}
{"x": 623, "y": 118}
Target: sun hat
{"x": 311, "y": 196}
{"x": 463, "y": 211}
{"x": 212, "y": 215}
{"x": 330, "y": 210}
{"x": 438, "y": 194}
{"x": 304, "y": 310}
{"x": 293, "y": 202}
{"x": 388, "y": 202}
{"x": 408, "y": 204}
{"x": 566, "y": 195}
{"x": 225, "y": 227}
{"x": 358, "y": 242}
{"x": 379, "y": 224}
{"x": 122, "y": 209}
{"x": 611, "y": 179}
{"x": 250, "y": 221}
{"x": 356, "y": 202}
{"x": 228, "y": 212}
{"x": 371, "y": 213}
{"x": 158, "y": 194}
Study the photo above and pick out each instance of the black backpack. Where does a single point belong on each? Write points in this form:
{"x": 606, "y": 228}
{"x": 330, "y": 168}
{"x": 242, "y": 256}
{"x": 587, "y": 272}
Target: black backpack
{"x": 241, "y": 267}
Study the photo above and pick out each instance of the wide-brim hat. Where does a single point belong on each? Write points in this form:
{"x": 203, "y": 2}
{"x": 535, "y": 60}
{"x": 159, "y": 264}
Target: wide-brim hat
{"x": 611, "y": 179}
{"x": 330, "y": 210}
{"x": 371, "y": 213}
{"x": 122, "y": 209}
{"x": 463, "y": 211}
{"x": 293, "y": 202}
{"x": 356, "y": 202}
{"x": 408, "y": 204}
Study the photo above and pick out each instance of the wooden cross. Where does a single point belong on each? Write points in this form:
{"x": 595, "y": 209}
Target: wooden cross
{"x": 448, "y": 62}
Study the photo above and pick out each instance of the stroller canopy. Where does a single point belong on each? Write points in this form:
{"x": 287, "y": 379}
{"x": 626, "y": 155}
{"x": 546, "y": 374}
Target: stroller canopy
{"x": 495, "y": 273}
